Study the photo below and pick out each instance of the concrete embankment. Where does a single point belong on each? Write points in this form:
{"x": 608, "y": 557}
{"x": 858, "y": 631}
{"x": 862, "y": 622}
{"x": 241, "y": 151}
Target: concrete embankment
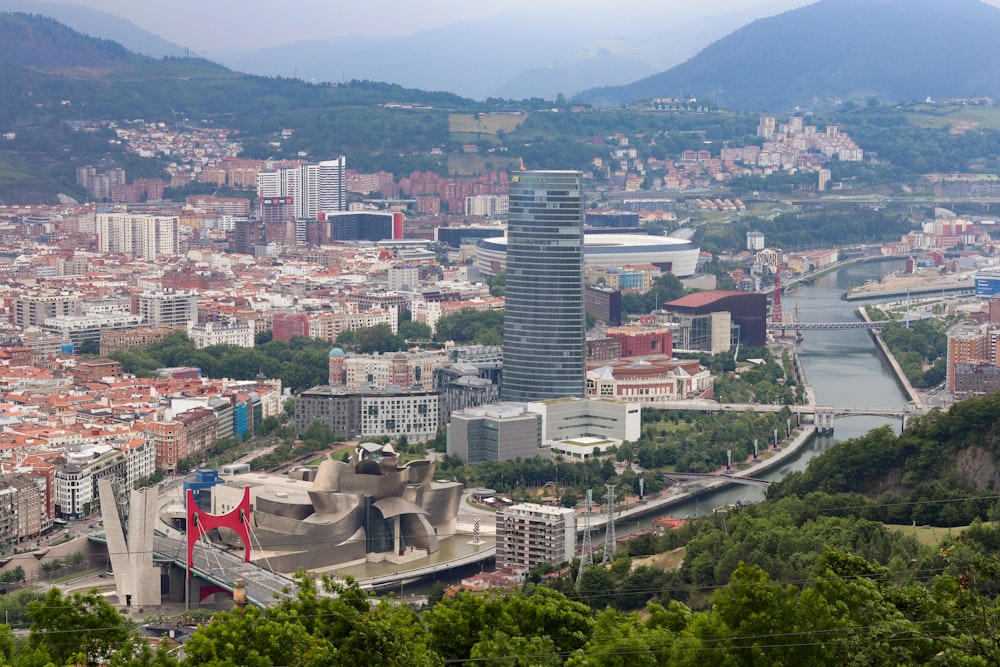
{"x": 912, "y": 285}
{"x": 904, "y": 382}
{"x": 689, "y": 491}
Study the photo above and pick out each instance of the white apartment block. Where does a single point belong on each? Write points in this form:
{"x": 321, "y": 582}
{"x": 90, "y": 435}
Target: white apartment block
{"x": 332, "y": 194}
{"x": 403, "y": 276}
{"x": 414, "y": 415}
{"x": 9, "y": 522}
{"x": 206, "y": 334}
{"x": 170, "y": 308}
{"x": 76, "y": 483}
{"x": 487, "y": 205}
{"x": 327, "y": 326}
{"x": 79, "y": 328}
{"x": 409, "y": 370}
{"x": 139, "y": 235}
{"x": 31, "y": 310}
{"x": 529, "y": 534}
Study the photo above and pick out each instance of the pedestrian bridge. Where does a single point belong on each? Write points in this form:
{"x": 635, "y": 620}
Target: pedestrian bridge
{"x": 825, "y": 326}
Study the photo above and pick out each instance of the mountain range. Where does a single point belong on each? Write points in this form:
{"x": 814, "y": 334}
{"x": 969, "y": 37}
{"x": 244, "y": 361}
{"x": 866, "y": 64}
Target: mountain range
{"x": 832, "y": 51}
{"x": 813, "y": 57}
{"x": 514, "y": 55}
{"x": 98, "y": 24}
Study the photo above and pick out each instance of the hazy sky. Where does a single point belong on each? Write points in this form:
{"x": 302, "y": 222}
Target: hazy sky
{"x": 217, "y": 25}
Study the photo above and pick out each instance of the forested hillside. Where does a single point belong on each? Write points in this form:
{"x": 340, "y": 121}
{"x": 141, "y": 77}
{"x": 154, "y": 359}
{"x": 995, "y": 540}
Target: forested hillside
{"x": 941, "y": 471}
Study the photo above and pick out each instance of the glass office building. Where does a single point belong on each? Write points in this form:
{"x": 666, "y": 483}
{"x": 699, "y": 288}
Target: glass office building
{"x": 544, "y": 324}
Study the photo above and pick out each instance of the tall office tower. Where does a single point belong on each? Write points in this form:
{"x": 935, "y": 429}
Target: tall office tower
{"x": 140, "y": 235}
{"x": 332, "y": 195}
{"x": 544, "y": 325}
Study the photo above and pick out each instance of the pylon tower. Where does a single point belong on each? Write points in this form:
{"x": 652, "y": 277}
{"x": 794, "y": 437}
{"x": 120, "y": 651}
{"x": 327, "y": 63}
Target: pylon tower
{"x": 609, "y": 533}
{"x": 586, "y": 550}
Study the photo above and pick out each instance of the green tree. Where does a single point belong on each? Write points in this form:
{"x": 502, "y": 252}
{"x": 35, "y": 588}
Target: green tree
{"x": 13, "y": 575}
{"x": 498, "y": 284}
{"x": 76, "y": 627}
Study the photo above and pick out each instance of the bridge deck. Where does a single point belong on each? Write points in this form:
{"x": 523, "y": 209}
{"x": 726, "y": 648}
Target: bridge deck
{"x": 825, "y": 326}
{"x": 221, "y": 568}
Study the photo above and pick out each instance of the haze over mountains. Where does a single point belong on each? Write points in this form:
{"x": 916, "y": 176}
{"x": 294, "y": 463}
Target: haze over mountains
{"x": 836, "y": 50}
{"x": 813, "y": 57}
{"x": 509, "y": 56}
{"x": 514, "y": 55}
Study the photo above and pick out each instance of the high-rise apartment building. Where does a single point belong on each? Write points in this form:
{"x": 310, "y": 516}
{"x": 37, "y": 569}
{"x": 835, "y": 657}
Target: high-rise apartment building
{"x": 139, "y": 235}
{"x": 308, "y": 201}
{"x": 170, "y": 308}
{"x": 303, "y": 190}
{"x": 530, "y": 534}
{"x": 332, "y": 194}
{"x": 544, "y": 324}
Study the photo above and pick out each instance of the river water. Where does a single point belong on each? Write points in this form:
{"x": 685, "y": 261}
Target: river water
{"x": 843, "y": 367}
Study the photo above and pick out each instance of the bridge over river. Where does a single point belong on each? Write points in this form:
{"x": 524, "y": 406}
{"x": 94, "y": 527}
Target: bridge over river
{"x": 217, "y": 571}
{"x": 821, "y": 416}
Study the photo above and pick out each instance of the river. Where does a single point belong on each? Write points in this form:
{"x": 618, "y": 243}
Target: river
{"x": 843, "y": 367}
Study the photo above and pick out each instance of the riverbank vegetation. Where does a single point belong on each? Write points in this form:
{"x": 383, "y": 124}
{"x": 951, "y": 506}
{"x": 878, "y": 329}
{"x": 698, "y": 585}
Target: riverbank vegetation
{"x": 920, "y": 347}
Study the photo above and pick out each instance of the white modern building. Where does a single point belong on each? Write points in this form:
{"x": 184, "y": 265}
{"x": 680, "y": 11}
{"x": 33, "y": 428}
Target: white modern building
{"x": 207, "y": 334}
{"x": 80, "y": 328}
{"x": 170, "y": 308}
{"x": 569, "y": 418}
{"x": 487, "y": 205}
{"x": 332, "y": 195}
{"x": 679, "y": 256}
{"x": 76, "y": 483}
{"x": 370, "y": 414}
{"x": 31, "y": 310}
{"x": 139, "y": 235}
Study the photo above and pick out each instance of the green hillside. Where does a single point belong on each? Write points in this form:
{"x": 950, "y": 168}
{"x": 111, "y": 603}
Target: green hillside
{"x": 943, "y": 470}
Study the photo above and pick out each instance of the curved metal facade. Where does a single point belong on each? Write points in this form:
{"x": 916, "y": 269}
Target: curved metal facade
{"x": 544, "y": 325}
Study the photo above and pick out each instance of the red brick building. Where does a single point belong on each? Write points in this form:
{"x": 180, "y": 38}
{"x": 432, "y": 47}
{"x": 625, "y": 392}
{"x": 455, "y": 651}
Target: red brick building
{"x": 643, "y": 341}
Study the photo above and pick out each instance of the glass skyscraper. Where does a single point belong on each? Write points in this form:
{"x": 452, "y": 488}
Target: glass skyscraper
{"x": 544, "y": 323}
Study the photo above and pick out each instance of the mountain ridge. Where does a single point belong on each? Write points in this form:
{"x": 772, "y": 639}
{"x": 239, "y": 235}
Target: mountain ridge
{"x": 831, "y": 51}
